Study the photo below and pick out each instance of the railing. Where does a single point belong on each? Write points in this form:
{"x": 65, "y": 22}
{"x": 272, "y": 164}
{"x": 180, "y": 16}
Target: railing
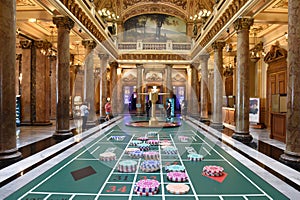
{"x": 169, "y": 45}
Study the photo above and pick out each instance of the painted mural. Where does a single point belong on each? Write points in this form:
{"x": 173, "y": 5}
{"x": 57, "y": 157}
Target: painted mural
{"x": 155, "y": 28}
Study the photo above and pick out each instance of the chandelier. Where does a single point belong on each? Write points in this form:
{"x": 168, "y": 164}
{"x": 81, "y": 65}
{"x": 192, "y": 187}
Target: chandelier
{"x": 201, "y": 17}
{"x": 107, "y": 15}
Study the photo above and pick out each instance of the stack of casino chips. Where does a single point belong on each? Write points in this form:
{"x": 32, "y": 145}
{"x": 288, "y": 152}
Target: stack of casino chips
{"x": 107, "y": 156}
{"x": 175, "y": 168}
{"x": 151, "y": 155}
{"x": 213, "y": 170}
{"x": 136, "y": 154}
{"x": 143, "y": 138}
{"x": 150, "y": 165}
{"x": 127, "y": 166}
{"x": 153, "y": 142}
{"x": 195, "y": 157}
{"x": 170, "y": 150}
{"x": 177, "y": 188}
{"x": 129, "y": 150}
{"x": 146, "y": 187}
{"x": 177, "y": 176}
{"x": 165, "y": 143}
{"x": 135, "y": 142}
{"x": 144, "y": 146}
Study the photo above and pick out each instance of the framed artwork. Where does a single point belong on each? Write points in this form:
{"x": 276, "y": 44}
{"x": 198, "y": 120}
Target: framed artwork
{"x": 254, "y": 110}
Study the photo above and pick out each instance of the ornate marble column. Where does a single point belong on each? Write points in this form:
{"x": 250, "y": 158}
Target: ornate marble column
{"x": 114, "y": 87}
{"x": 204, "y": 88}
{"x": 218, "y": 86}
{"x": 52, "y": 60}
{"x": 103, "y": 83}
{"x": 169, "y": 86}
{"x": 64, "y": 25}
{"x": 8, "y": 145}
{"x": 193, "y": 95}
{"x": 139, "y": 85}
{"x": 189, "y": 90}
{"x": 291, "y": 154}
{"x": 241, "y": 133}
{"x": 120, "y": 100}
{"x": 88, "y": 88}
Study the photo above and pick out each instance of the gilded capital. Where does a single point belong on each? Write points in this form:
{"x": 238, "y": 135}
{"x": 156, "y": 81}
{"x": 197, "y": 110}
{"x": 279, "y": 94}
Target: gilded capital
{"x": 63, "y": 22}
{"x": 218, "y": 45}
{"x": 243, "y": 23}
{"x": 204, "y": 57}
{"x": 91, "y": 44}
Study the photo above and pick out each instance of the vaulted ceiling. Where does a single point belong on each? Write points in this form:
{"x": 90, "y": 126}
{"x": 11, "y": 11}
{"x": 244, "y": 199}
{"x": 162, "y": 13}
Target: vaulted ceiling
{"x": 268, "y": 16}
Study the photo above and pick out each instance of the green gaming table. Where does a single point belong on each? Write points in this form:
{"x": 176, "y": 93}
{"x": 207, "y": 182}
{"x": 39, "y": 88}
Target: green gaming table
{"x": 83, "y": 176}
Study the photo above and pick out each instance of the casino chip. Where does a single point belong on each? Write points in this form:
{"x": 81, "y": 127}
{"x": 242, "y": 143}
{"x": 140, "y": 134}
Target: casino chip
{"x": 129, "y": 150}
{"x": 175, "y": 168}
{"x": 146, "y": 187}
{"x": 127, "y": 166}
{"x": 153, "y": 142}
{"x": 150, "y": 165}
{"x": 213, "y": 170}
{"x": 177, "y": 176}
{"x": 195, "y": 157}
{"x": 144, "y": 147}
{"x": 107, "y": 156}
{"x": 151, "y": 155}
{"x": 135, "y": 142}
{"x": 177, "y": 188}
{"x": 143, "y": 138}
{"x": 136, "y": 154}
{"x": 170, "y": 150}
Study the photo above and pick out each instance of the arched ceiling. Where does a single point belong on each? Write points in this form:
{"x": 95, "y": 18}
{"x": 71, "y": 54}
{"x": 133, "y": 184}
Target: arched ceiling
{"x": 183, "y": 9}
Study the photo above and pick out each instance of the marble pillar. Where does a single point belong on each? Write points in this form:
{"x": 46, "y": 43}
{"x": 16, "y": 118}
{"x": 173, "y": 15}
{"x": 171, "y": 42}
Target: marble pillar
{"x": 204, "y": 88}
{"x": 139, "y": 85}
{"x": 120, "y": 100}
{"x": 52, "y": 60}
{"x": 241, "y": 133}
{"x": 291, "y": 154}
{"x": 103, "y": 83}
{"x": 8, "y": 145}
{"x": 64, "y": 25}
{"x": 89, "y": 85}
{"x": 189, "y": 90}
{"x": 169, "y": 86}
{"x": 114, "y": 87}
{"x": 193, "y": 95}
{"x": 217, "y": 122}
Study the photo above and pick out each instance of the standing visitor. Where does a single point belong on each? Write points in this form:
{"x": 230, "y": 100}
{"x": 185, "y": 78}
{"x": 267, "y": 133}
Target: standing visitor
{"x": 107, "y": 109}
{"x": 169, "y": 110}
{"x": 148, "y": 107}
{"x": 84, "y": 110}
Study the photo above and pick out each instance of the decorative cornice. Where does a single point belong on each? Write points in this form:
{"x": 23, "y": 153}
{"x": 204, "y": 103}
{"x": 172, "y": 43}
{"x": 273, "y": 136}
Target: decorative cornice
{"x": 128, "y": 3}
{"x": 275, "y": 53}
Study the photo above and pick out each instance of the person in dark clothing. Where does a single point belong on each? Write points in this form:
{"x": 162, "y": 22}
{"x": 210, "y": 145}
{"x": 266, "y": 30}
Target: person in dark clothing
{"x": 168, "y": 110}
{"x": 148, "y": 107}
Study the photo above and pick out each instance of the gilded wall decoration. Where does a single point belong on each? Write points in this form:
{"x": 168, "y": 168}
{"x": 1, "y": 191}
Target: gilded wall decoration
{"x": 153, "y": 76}
{"x": 178, "y": 77}
{"x": 25, "y": 3}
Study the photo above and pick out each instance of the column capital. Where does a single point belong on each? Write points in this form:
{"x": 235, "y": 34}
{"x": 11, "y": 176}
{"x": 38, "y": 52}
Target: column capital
{"x": 243, "y": 24}
{"x": 114, "y": 64}
{"x": 218, "y": 45}
{"x": 204, "y": 57}
{"x": 25, "y": 44}
{"x": 91, "y": 44}
{"x": 103, "y": 56}
{"x": 63, "y": 22}
{"x": 139, "y": 66}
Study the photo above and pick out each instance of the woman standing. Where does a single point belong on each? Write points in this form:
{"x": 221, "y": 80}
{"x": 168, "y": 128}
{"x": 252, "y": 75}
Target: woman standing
{"x": 107, "y": 109}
